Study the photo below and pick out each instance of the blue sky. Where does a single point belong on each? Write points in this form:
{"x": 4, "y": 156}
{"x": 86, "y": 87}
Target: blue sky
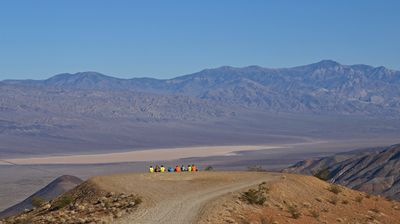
{"x": 163, "y": 39}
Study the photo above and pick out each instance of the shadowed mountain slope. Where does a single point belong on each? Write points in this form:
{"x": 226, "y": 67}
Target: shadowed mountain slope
{"x": 375, "y": 171}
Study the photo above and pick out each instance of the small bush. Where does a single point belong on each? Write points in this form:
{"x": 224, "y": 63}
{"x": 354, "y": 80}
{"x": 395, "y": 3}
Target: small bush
{"x": 37, "y": 201}
{"x": 334, "y": 189}
{"x": 359, "y": 199}
{"x": 138, "y": 200}
{"x": 209, "y": 168}
{"x": 323, "y": 174}
{"x": 345, "y": 202}
{"x": 294, "y": 212}
{"x": 265, "y": 220}
{"x": 376, "y": 210}
{"x": 334, "y": 200}
{"x": 314, "y": 213}
{"x": 368, "y": 196}
{"x": 256, "y": 196}
{"x": 61, "y": 202}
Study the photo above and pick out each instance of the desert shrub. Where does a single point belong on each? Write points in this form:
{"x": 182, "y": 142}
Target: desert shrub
{"x": 368, "y": 196}
{"x": 314, "y": 213}
{"x": 61, "y": 202}
{"x": 345, "y": 202}
{"x": 294, "y": 211}
{"x": 37, "y": 201}
{"x": 255, "y": 168}
{"x": 376, "y": 210}
{"x": 359, "y": 199}
{"x": 209, "y": 168}
{"x": 265, "y": 220}
{"x": 22, "y": 221}
{"x": 138, "y": 200}
{"x": 334, "y": 189}
{"x": 256, "y": 196}
{"x": 319, "y": 199}
{"x": 333, "y": 200}
{"x": 323, "y": 174}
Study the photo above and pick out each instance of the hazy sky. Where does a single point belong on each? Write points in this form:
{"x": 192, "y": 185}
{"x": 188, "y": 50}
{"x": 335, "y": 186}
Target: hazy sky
{"x": 168, "y": 38}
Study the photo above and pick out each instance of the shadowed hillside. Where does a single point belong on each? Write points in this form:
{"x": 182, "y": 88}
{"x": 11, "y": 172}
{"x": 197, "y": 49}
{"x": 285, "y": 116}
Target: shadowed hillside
{"x": 375, "y": 171}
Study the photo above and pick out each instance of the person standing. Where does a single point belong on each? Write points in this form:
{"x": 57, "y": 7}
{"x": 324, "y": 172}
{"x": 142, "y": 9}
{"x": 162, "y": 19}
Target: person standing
{"x": 151, "y": 169}
{"x": 189, "y": 168}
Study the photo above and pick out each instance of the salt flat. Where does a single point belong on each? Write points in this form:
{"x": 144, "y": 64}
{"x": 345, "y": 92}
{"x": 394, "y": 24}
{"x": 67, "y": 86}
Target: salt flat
{"x": 161, "y": 154}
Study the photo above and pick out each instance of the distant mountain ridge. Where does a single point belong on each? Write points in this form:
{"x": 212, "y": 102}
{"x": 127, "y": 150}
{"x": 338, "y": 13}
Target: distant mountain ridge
{"x": 323, "y": 87}
{"x": 375, "y": 171}
{"x": 89, "y": 110}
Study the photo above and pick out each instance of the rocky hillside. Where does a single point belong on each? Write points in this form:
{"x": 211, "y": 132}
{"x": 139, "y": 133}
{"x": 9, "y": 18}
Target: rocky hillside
{"x": 84, "y": 204}
{"x": 299, "y": 199}
{"x": 49, "y": 192}
{"x": 375, "y": 171}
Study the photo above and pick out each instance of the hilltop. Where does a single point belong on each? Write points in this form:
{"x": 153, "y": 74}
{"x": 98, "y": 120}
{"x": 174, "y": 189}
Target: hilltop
{"x": 212, "y": 197}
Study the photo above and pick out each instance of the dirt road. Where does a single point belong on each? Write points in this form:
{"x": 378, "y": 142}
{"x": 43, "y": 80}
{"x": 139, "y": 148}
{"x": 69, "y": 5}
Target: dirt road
{"x": 178, "y": 197}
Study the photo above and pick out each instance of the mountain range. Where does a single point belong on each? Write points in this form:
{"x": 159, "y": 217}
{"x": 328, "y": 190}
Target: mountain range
{"x": 73, "y": 112}
{"x": 323, "y": 87}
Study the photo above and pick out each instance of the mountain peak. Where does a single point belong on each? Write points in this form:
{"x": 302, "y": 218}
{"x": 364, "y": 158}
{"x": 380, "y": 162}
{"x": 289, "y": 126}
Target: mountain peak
{"x": 327, "y": 63}
{"x": 80, "y": 80}
{"x": 78, "y": 75}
